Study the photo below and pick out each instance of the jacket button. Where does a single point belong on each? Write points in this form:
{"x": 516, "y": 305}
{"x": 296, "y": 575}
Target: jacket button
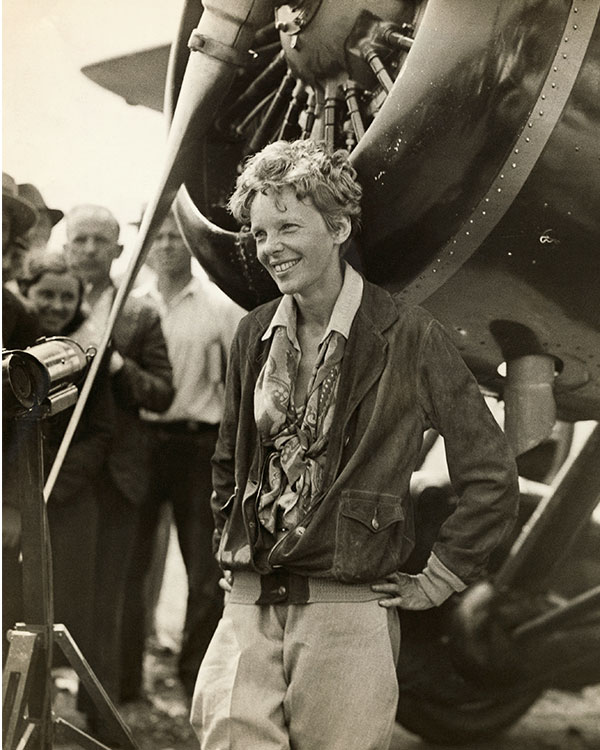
{"x": 252, "y": 524}
{"x": 281, "y": 590}
{"x": 300, "y": 530}
{"x": 346, "y": 440}
{"x": 375, "y": 524}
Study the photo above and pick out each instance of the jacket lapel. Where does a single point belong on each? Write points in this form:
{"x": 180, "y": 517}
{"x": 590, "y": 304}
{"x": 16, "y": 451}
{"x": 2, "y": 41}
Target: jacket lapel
{"x": 366, "y": 351}
{"x": 125, "y": 328}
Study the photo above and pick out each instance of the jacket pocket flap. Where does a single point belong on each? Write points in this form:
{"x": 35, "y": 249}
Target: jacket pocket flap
{"x": 375, "y": 515}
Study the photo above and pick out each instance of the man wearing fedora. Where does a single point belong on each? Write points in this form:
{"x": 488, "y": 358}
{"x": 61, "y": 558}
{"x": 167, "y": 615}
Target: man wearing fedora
{"x": 38, "y": 235}
{"x": 19, "y": 323}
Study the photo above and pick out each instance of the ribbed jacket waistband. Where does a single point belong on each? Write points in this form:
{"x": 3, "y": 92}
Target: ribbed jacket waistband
{"x": 282, "y": 587}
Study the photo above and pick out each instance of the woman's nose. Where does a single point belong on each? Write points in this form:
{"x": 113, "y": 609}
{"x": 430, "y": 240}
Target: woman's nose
{"x": 272, "y": 245}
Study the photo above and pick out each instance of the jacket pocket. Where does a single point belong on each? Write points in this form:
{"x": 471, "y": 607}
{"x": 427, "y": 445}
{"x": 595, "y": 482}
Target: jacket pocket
{"x": 369, "y": 535}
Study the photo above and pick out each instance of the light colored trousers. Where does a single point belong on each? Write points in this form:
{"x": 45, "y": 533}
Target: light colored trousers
{"x": 318, "y": 676}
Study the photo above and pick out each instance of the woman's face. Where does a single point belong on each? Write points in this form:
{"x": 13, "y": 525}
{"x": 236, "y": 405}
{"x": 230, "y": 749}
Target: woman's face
{"x": 295, "y": 245}
{"x": 56, "y": 298}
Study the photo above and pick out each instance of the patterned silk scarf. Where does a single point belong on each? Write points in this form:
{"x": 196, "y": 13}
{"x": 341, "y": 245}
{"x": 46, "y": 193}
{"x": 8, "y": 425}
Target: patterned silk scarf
{"x": 297, "y": 435}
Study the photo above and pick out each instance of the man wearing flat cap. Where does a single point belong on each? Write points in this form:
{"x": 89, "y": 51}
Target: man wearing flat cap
{"x": 39, "y": 234}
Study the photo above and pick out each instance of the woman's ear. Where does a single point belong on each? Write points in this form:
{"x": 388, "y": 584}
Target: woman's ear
{"x": 343, "y": 230}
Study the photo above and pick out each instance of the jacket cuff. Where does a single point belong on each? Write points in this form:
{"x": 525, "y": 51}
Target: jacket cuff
{"x": 438, "y": 582}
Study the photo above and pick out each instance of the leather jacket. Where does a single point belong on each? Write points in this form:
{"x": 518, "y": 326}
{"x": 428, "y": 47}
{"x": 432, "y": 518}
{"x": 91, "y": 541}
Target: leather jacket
{"x": 400, "y": 375}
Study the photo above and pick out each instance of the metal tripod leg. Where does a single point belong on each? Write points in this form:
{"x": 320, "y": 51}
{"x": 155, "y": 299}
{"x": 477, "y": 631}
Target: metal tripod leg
{"x": 15, "y": 685}
{"x": 27, "y": 717}
{"x": 76, "y": 659}
{"x": 19, "y": 729}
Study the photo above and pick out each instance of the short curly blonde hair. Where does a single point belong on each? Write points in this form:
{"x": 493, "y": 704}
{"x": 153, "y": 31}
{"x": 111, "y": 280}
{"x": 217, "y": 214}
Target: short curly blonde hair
{"x": 311, "y": 170}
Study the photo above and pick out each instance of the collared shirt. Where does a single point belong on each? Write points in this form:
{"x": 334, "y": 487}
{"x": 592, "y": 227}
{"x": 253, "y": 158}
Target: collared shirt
{"x": 282, "y": 496}
{"x": 198, "y": 324}
{"x": 342, "y": 315}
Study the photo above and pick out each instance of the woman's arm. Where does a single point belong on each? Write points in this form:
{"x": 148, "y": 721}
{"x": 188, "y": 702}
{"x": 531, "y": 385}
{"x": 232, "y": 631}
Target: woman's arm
{"x": 481, "y": 467}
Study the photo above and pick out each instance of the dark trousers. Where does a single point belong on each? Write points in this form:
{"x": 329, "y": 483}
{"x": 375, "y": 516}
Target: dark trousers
{"x": 117, "y": 525}
{"x": 12, "y": 593}
{"x": 73, "y": 536}
{"x": 181, "y": 476}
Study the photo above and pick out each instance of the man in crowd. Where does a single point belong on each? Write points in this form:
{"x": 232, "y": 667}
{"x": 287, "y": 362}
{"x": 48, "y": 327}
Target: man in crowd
{"x": 199, "y": 322}
{"x": 38, "y": 236}
{"x": 19, "y": 323}
{"x": 20, "y": 328}
{"x": 141, "y": 378}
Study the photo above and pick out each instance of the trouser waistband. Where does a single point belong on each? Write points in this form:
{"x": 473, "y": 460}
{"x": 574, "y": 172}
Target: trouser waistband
{"x": 283, "y": 587}
{"x": 183, "y": 426}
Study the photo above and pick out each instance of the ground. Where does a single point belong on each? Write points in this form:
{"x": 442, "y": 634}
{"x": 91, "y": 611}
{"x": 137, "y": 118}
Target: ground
{"x": 558, "y": 721}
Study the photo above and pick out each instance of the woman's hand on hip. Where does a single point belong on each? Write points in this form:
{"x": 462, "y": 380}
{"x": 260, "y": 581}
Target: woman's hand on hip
{"x": 404, "y": 591}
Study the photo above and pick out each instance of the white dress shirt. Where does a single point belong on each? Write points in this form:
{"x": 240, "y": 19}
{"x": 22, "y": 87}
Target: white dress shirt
{"x": 198, "y": 324}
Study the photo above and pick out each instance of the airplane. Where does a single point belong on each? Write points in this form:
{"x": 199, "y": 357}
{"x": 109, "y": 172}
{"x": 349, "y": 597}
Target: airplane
{"x": 473, "y": 127}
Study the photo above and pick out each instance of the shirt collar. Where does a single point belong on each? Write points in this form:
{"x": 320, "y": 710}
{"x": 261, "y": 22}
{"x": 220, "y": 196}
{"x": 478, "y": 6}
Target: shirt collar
{"x": 342, "y": 316}
{"x": 151, "y": 290}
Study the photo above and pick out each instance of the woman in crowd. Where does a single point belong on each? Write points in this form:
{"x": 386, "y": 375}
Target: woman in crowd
{"x": 57, "y": 294}
{"x": 329, "y": 391}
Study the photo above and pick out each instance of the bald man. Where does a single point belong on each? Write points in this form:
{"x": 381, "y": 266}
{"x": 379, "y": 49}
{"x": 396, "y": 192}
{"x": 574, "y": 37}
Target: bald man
{"x": 141, "y": 378}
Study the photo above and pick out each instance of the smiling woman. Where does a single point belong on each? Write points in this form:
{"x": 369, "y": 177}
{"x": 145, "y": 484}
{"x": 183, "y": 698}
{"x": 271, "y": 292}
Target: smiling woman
{"x": 296, "y": 246}
{"x": 329, "y": 391}
{"x": 55, "y": 293}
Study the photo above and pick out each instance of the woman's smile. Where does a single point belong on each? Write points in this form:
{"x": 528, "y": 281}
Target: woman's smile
{"x": 283, "y": 266}
{"x": 295, "y": 245}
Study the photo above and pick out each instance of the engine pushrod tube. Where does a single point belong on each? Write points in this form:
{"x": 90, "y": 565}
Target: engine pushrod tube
{"x": 553, "y": 526}
{"x": 581, "y": 604}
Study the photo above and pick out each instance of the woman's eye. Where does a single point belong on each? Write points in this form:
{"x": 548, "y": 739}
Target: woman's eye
{"x": 259, "y": 237}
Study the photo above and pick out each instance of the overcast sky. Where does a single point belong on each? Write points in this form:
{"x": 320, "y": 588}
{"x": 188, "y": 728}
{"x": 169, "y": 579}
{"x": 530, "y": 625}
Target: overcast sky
{"x": 77, "y": 142}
